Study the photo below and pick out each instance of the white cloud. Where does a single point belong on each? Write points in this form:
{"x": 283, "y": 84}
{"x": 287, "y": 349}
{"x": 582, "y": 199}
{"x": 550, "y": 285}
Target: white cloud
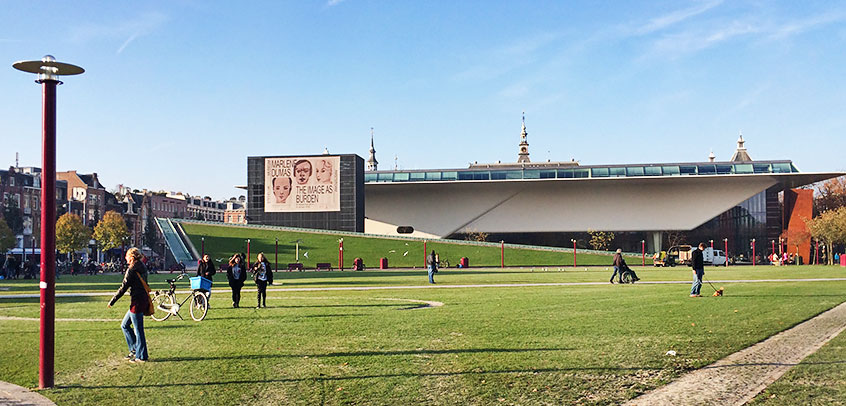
{"x": 667, "y": 20}
{"x": 128, "y": 30}
{"x": 799, "y": 26}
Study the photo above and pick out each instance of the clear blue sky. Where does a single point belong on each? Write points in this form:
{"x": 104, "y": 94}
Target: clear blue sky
{"x": 178, "y": 93}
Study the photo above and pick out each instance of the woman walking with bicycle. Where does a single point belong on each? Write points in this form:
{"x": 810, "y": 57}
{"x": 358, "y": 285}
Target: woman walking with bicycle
{"x": 236, "y": 275}
{"x": 135, "y": 280}
{"x": 263, "y": 275}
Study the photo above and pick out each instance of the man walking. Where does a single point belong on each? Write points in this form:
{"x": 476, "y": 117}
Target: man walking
{"x": 698, "y": 264}
{"x": 432, "y": 264}
{"x": 618, "y": 266}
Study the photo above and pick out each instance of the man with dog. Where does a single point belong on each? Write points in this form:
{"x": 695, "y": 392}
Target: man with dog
{"x": 698, "y": 263}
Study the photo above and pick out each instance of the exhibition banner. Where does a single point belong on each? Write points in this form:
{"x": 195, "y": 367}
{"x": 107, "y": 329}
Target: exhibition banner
{"x": 300, "y": 184}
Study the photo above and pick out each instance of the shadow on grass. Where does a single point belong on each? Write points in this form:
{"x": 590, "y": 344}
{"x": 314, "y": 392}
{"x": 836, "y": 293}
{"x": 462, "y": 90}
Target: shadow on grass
{"x": 361, "y": 354}
{"x": 59, "y": 300}
{"x": 323, "y": 378}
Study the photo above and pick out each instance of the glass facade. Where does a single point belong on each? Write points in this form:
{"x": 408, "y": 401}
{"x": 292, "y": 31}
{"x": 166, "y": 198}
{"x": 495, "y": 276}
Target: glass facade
{"x": 576, "y": 172}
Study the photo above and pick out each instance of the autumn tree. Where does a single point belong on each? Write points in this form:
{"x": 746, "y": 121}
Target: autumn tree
{"x": 830, "y": 195}
{"x": 7, "y": 237}
{"x": 111, "y": 231}
{"x": 71, "y": 234}
{"x": 600, "y": 240}
{"x": 829, "y": 228}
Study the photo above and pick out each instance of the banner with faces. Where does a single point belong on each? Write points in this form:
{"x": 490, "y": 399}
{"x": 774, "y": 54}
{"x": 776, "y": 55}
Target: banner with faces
{"x": 295, "y": 184}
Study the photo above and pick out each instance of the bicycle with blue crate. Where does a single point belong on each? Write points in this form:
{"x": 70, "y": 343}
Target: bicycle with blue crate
{"x": 165, "y": 301}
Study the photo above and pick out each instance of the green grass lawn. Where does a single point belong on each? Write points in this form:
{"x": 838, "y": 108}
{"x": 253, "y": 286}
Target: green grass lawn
{"x": 223, "y": 241}
{"x": 592, "y": 344}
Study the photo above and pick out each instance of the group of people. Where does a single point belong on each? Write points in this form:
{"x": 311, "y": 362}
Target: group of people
{"x": 135, "y": 282}
{"x": 11, "y": 269}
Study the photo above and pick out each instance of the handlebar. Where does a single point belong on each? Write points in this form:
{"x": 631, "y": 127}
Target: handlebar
{"x": 171, "y": 281}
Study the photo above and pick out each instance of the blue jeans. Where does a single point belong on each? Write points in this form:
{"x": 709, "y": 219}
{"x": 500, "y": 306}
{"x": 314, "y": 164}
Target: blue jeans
{"x": 617, "y": 271}
{"x": 135, "y": 339}
{"x": 697, "y": 283}
{"x": 431, "y": 274}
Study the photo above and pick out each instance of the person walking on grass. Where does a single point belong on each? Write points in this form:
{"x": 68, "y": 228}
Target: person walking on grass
{"x": 236, "y": 274}
{"x": 432, "y": 265}
{"x": 134, "y": 280}
{"x": 263, "y": 275}
{"x": 206, "y": 269}
{"x": 619, "y": 264}
{"x": 698, "y": 263}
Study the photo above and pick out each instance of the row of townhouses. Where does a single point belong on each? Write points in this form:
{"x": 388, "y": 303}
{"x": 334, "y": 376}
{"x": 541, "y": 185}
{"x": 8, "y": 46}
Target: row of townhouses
{"x": 85, "y": 196}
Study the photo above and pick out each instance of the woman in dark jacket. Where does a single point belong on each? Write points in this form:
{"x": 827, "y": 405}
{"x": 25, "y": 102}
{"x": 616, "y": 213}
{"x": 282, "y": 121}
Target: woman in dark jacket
{"x": 263, "y": 275}
{"x": 236, "y": 275}
{"x": 206, "y": 269}
{"x": 134, "y": 280}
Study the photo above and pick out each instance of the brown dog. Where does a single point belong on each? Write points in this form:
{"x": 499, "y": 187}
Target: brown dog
{"x": 718, "y": 292}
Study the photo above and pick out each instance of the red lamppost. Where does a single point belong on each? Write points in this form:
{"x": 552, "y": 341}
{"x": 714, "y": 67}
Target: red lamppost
{"x": 726, "y": 240}
{"x": 276, "y": 258}
{"x": 712, "y": 245}
{"x": 773, "y": 242}
{"x": 643, "y": 252}
{"x": 502, "y": 254}
{"x": 48, "y": 71}
{"x": 753, "y": 252}
{"x": 248, "y": 253}
{"x": 202, "y": 247}
{"x": 341, "y": 254}
{"x": 424, "y": 254}
{"x": 574, "y": 252}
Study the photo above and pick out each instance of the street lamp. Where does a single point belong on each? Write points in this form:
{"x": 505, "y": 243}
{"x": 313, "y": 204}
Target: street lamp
{"x": 712, "y": 245}
{"x": 726, "y": 240}
{"x": 48, "y": 71}
{"x": 574, "y": 252}
{"x": 643, "y": 252}
{"x": 203, "y": 247}
{"x": 753, "y": 252}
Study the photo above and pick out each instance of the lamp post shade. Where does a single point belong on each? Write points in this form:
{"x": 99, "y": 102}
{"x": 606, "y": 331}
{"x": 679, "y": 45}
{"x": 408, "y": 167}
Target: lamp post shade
{"x": 48, "y": 68}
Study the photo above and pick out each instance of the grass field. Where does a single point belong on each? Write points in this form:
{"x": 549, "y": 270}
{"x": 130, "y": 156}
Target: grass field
{"x": 586, "y": 344}
{"x": 223, "y": 241}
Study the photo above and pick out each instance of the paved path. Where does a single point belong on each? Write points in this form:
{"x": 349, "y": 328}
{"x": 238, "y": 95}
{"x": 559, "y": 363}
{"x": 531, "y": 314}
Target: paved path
{"x": 738, "y": 378}
{"x": 444, "y": 286}
{"x": 14, "y": 395}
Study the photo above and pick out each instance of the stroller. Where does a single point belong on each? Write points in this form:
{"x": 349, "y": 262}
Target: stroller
{"x": 629, "y": 276}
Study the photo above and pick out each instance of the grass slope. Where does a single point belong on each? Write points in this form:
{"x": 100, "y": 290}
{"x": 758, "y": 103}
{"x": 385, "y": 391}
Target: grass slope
{"x": 222, "y": 241}
{"x": 592, "y": 344}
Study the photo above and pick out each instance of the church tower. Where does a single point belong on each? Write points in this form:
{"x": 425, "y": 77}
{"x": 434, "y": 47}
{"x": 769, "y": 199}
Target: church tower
{"x": 741, "y": 155}
{"x": 523, "y": 155}
{"x": 372, "y": 163}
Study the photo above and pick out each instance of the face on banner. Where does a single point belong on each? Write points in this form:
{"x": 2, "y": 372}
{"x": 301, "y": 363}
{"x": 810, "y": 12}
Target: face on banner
{"x": 302, "y": 184}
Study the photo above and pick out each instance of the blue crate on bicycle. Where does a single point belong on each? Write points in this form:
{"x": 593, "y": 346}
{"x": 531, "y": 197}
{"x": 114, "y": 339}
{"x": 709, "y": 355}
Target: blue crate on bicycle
{"x": 198, "y": 282}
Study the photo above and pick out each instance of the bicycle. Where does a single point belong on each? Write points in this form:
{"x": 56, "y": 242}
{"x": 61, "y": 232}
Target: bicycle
{"x": 165, "y": 304}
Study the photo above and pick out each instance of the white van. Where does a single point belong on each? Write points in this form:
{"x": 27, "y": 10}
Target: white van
{"x": 713, "y": 257}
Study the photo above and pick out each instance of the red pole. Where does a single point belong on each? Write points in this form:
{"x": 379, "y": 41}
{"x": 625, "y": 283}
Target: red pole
{"x": 574, "y": 253}
{"x": 203, "y": 246}
{"x": 276, "y": 258}
{"x": 816, "y": 252}
{"x": 643, "y": 252}
{"x": 48, "y": 236}
{"x": 341, "y": 254}
{"x": 424, "y": 254}
{"x": 727, "y": 251}
{"x": 753, "y": 252}
{"x": 502, "y": 254}
{"x": 248, "y": 253}
{"x": 712, "y": 245}
{"x": 773, "y": 241}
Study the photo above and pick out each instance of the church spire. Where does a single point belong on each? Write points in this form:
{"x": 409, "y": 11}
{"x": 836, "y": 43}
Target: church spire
{"x": 372, "y": 163}
{"x": 523, "y": 155}
{"x": 741, "y": 155}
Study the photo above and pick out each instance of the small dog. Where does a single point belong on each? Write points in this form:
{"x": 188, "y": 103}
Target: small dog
{"x": 718, "y": 292}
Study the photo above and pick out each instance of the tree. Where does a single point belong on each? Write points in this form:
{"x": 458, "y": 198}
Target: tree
{"x": 831, "y": 195}
{"x": 478, "y": 236}
{"x": 600, "y": 240}
{"x": 7, "y": 237}
{"x": 71, "y": 234}
{"x": 111, "y": 231}
{"x": 829, "y": 228}
{"x": 150, "y": 238}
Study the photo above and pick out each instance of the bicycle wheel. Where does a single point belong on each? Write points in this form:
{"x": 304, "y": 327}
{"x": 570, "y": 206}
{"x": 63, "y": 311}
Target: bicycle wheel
{"x": 199, "y": 306}
{"x": 627, "y": 278}
{"x": 163, "y": 303}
